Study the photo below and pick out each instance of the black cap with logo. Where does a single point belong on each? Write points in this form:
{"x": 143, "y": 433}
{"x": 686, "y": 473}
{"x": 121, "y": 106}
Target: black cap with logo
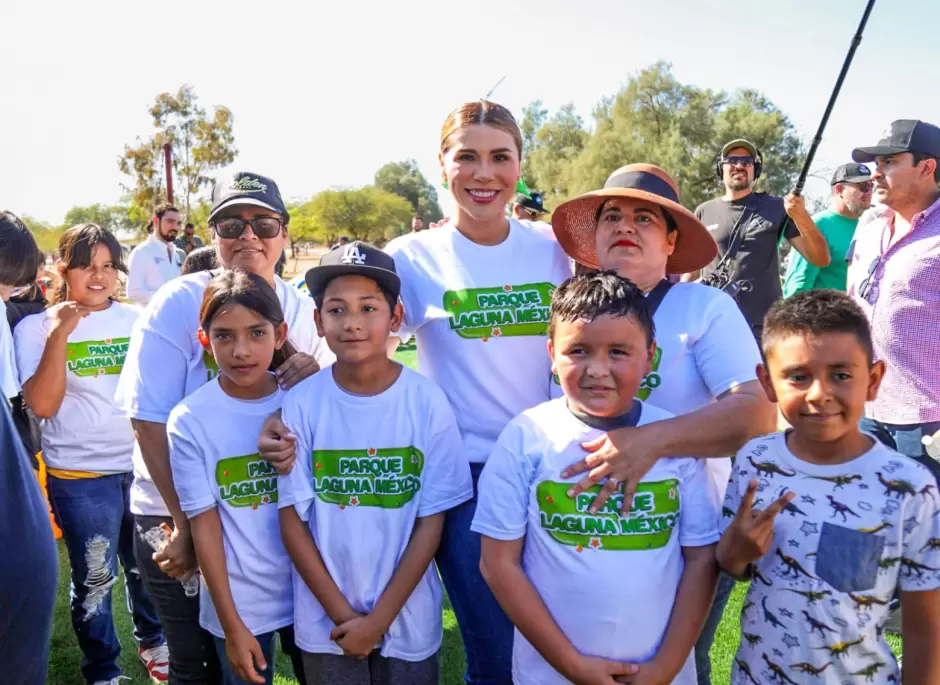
{"x": 851, "y": 173}
{"x": 355, "y": 258}
{"x": 246, "y": 188}
{"x": 532, "y": 202}
{"x": 904, "y": 135}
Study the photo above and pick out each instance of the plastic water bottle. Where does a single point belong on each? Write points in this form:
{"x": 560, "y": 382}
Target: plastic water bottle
{"x": 158, "y": 538}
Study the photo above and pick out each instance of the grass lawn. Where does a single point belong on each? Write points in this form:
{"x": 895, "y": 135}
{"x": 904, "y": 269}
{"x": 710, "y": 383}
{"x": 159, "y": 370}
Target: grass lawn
{"x": 65, "y": 656}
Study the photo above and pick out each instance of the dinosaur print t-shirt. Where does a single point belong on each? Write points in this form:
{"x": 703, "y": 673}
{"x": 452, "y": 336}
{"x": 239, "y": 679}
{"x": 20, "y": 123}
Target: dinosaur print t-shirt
{"x": 816, "y": 609}
{"x": 479, "y": 314}
{"x": 609, "y": 581}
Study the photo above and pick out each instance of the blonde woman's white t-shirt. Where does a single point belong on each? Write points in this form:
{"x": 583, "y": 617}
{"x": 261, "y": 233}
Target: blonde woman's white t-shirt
{"x": 88, "y": 433}
{"x": 213, "y": 441}
{"x": 479, "y": 315}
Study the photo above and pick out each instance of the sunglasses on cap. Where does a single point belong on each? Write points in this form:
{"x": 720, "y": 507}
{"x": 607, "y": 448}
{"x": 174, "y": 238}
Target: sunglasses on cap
{"x": 736, "y": 160}
{"x": 263, "y": 227}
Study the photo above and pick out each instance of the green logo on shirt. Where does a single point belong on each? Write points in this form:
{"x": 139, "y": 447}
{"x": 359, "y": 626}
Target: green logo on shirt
{"x": 97, "y": 357}
{"x": 654, "y": 514}
{"x": 512, "y": 310}
{"x": 652, "y": 380}
{"x": 212, "y": 367}
{"x": 247, "y": 481}
{"x": 386, "y": 478}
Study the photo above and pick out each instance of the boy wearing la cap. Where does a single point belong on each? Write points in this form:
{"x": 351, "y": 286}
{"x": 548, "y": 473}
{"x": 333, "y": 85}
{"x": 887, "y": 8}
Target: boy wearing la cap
{"x": 851, "y": 196}
{"x": 380, "y": 459}
{"x": 165, "y": 363}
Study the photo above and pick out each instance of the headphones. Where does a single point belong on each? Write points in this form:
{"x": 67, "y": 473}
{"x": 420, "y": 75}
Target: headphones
{"x": 758, "y": 164}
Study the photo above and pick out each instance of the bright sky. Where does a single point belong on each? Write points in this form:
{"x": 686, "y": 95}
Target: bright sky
{"x": 324, "y": 94}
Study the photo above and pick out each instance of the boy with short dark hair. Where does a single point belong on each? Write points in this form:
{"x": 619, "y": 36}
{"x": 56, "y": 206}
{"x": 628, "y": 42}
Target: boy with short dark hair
{"x": 596, "y": 597}
{"x": 380, "y": 459}
{"x": 847, "y": 521}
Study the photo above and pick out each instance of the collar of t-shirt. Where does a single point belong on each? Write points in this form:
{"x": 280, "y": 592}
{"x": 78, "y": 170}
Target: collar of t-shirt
{"x": 608, "y": 423}
{"x": 169, "y": 248}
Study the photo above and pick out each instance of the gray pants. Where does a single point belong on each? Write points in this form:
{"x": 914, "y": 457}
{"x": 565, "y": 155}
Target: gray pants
{"x": 339, "y": 669}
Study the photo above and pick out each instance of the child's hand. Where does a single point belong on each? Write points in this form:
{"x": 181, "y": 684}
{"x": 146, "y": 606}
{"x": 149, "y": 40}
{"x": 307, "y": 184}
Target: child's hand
{"x": 178, "y": 558}
{"x": 751, "y": 534}
{"x": 358, "y": 636}
{"x": 596, "y": 671}
{"x": 65, "y": 317}
{"x": 648, "y": 673}
{"x": 244, "y": 653}
{"x": 277, "y": 445}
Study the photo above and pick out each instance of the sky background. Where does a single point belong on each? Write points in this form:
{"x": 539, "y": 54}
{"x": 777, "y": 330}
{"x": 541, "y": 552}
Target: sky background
{"x": 323, "y": 94}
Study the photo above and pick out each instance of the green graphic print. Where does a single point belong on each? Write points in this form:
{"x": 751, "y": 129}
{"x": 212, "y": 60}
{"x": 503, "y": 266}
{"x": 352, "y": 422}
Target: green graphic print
{"x": 653, "y": 516}
{"x": 652, "y": 380}
{"x": 212, "y": 368}
{"x": 386, "y": 478}
{"x": 247, "y": 481}
{"x": 510, "y": 310}
{"x": 97, "y": 357}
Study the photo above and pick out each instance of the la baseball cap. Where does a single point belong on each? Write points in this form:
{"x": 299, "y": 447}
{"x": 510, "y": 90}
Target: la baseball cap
{"x": 355, "y": 258}
{"x": 903, "y": 135}
{"x": 851, "y": 173}
{"x": 246, "y": 188}
{"x": 533, "y": 202}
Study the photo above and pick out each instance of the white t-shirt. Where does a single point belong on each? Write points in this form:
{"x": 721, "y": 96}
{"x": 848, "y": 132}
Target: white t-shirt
{"x": 704, "y": 347}
{"x": 480, "y": 314}
{"x": 214, "y": 454}
{"x": 88, "y": 433}
{"x": 366, "y": 468}
{"x": 166, "y": 362}
{"x": 855, "y": 533}
{"x": 609, "y": 582}
{"x": 9, "y": 378}
{"x": 149, "y": 266}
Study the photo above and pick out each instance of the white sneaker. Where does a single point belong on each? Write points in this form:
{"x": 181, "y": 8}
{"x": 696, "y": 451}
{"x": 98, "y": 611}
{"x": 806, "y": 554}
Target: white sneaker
{"x": 113, "y": 681}
{"x": 157, "y": 662}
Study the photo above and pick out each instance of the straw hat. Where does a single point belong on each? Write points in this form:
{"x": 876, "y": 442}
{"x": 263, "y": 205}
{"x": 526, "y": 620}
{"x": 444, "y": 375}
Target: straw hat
{"x": 575, "y": 222}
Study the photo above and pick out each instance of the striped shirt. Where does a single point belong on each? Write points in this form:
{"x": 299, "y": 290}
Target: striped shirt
{"x": 898, "y": 287}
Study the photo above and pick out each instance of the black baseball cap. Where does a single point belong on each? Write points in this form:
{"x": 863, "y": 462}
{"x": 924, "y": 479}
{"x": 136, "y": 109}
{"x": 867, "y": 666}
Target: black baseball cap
{"x": 532, "y": 202}
{"x": 903, "y": 135}
{"x": 355, "y": 258}
{"x": 246, "y": 188}
{"x": 851, "y": 173}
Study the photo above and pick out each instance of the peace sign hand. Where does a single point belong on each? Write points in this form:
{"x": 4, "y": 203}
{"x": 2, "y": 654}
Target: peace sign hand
{"x": 751, "y": 534}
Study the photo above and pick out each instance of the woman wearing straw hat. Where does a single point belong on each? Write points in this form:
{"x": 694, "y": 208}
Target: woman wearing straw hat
{"x": 704, "y": 368}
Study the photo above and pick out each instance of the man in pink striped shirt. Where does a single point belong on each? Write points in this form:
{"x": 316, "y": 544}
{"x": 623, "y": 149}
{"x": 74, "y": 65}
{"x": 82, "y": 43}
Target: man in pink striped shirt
{"x": 895, "y": 277}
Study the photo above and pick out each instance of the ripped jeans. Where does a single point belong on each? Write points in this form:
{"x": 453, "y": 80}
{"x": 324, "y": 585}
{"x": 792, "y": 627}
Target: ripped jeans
{"x": 98, "y": 530}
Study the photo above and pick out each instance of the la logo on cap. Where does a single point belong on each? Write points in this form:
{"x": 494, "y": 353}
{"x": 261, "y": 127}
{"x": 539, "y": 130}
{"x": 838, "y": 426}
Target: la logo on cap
{"x": 352, "y": 255}
{"x": 249, "y": 185}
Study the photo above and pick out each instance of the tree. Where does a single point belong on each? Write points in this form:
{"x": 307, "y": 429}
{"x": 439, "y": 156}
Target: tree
{"x": 200, "y": 143}
{"x": 46, "y": 235}
{"x": 654, "y": 118}
{"x": 370, "y": 213}
{"x": 406, "y": 180}
{"x": 115, "y": 218}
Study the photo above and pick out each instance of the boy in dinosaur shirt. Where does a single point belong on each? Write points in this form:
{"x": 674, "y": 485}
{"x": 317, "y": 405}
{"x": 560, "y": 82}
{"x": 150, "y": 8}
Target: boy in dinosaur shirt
{"x": 847, "y": 522}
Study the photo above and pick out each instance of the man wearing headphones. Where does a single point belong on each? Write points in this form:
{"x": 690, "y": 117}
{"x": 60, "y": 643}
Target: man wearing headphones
{"x": 748, "y": 227}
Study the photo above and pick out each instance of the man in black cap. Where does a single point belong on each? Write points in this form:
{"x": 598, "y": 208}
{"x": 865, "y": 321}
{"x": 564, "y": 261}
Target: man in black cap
{"x": 748, "y": 227}
{"x": 529, "y": 207}
{"x": 895, "y": 278}
{"x": 851, "y": 196}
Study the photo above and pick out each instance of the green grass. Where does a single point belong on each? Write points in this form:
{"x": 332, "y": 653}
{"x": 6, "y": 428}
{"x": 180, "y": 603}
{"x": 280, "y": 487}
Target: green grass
{"x": 65, "y": 656}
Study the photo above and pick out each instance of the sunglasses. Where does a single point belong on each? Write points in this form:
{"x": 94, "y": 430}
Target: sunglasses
{"x": 738, "y": 161}
{"x": 865, "y": 186}
{"x": 866, "y": 289}
{"x": 264, "y": 227}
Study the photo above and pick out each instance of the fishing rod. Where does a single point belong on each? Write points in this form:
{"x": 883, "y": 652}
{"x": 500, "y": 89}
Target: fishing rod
{"x": 801, "y": 181}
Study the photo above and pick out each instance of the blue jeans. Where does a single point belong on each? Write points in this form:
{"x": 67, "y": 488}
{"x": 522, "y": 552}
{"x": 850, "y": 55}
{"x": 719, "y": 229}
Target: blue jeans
{"x": 487, "y": 632}
{"x": 98, "y": 530}
{"x": 267, "y": 644}
{"x": 905, "y": 439}
{"x": 703, "y": 662}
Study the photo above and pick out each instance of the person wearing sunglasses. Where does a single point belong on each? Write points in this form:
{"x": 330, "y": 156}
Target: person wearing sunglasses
{"x": 748, "y": 227}
{"x": 165, "y": 363}
{"x": 851, "y": 196}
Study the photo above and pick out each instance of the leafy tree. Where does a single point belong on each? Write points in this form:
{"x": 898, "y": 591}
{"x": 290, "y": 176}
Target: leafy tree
{"x": 115, "y": 218}
{"x": 200, "y": 143}
{"x": 46, "y": 235}
{"x": 370, "y": 213}
{"x": 406, "y": 180}
{"x": 654, "y": 118}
